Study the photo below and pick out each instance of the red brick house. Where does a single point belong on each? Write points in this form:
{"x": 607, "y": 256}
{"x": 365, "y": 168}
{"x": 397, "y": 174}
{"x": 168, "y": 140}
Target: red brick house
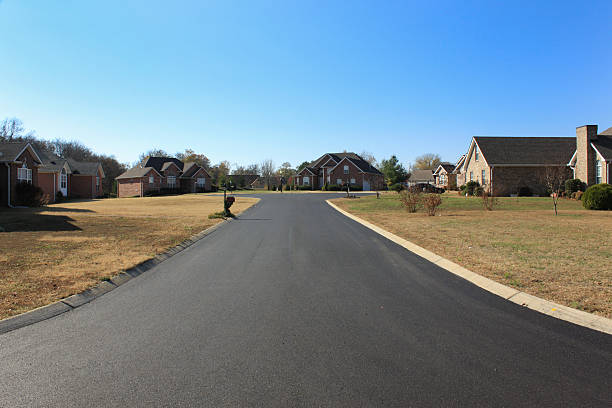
{"x": 163, "y": 174}
{"x": 69, "y": 177}
{"x": 592, "y": 159}
{"x": 340, "y": 168}
{"x": 19, "y": 162}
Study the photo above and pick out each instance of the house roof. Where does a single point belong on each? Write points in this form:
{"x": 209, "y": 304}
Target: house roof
{"x": 448, "y": 167}
{"x": 607, "y": 132}
{"x": 136, "y": 172}
{"x": 158, "y": 162}
{"x": 603, "y": 144}
{"x": 357, "y": 160}
{"x": 526, "y": 150}
{"x": 85, "y": 168}
{"x": 421, "y": 176}
{"x": 459, "y": 163}
{"x": 10, "y": 150}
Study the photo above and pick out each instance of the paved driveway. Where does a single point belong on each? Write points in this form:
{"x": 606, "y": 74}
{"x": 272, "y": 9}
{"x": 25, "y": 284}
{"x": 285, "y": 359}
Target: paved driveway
{"x": 293, "y": 304}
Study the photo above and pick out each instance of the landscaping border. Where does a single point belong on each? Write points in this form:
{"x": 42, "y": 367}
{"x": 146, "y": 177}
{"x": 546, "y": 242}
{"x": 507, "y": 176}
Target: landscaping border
{"x": 546, "y": 307}
{"x": 74, "y": 301}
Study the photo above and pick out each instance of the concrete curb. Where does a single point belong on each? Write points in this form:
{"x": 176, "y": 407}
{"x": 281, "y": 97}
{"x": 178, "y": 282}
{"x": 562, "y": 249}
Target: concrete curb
{"x": 546, "y": 307}
{"x": 74, "y": 301}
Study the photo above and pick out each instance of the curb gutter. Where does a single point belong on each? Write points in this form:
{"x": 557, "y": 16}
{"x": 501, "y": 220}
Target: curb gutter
{"x": 546, "y": 307}
{"x": 74, "y": 301}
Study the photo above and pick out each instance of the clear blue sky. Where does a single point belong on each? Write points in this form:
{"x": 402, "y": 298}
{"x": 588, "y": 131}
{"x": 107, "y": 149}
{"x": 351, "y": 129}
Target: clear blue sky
{"x": 290, "y": 80}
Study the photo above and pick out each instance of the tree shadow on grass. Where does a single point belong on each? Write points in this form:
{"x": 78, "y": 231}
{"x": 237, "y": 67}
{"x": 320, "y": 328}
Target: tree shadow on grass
{"x": 30, "y": 219}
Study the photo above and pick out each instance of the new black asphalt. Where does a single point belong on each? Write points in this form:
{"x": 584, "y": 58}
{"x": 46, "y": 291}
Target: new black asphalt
{"x": 293, "y": 304}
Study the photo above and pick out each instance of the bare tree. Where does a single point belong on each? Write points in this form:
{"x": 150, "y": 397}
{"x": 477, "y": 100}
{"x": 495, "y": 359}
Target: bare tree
{"x": 267, "y": 171}
{"x": 369, "y": 157}
{"x": 428, "y": 161}
{"x": 153, "y": 152}
{"x": 553, "y": 179}
{"x": 190, "y": 156}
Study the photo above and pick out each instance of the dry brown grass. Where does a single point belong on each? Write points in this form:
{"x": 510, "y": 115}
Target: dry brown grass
{"x": 53, "y": 252}
{"x": 566, "y": 259}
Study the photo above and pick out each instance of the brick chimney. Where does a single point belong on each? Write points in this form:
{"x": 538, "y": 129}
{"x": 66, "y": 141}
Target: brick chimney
{"x": 585, "y": 156}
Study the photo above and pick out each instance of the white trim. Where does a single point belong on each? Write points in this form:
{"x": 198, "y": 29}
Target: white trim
{"x": 306, "y": 168}
{"x": 174, "y": 164}
{"x": 572, "y": 159}
{"x": 600, "y": 155}
{"x": 33, "y": 151}
{"x": 346, "y": 158}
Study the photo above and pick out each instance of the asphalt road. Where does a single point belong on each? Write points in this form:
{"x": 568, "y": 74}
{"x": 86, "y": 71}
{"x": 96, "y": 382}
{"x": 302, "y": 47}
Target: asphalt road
{"x": 294, "y": 304}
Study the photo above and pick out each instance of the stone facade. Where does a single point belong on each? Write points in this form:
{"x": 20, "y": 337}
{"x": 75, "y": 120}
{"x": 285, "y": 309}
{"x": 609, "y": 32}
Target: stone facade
{"x": 585, "y": 155}
{"x": 474, "y": 167}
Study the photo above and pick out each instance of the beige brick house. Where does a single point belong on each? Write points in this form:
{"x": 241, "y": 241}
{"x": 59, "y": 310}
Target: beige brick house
{"x": 592, "y": 158}
{"x": 340, "y": 168}
{"x": 459, "y": 171}
{"x": 163, "y": 174}
{"x": 444, "y": 177}
{"x": 503, "y": 165}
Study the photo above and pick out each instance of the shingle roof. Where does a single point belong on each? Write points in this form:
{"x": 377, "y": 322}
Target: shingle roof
{"x": 84, "y": 168}
{"x": 421, "y": 176}
{"x": 51, "y": 162}
{"x": 158, "y": 162}
{"x": 603, "y": 144}
{"x": 526, "y": 150}
{"x": 8, "y": 150}
{"x": 355, "y": 158}
{"x": 607, "y": 132}
{"x": 447, "y": 166}
{"x": 135, "y": 172}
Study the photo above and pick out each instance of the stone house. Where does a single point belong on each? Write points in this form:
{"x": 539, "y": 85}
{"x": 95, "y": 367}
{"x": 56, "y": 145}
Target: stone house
{"x": 163, "y": 173}
{"x": 444, "y": 177}
{"x": 459, "y": 171}
{"x": 340, "y": 168}
{"x": 503, "y": 165}
{"x": 592, "y": 158}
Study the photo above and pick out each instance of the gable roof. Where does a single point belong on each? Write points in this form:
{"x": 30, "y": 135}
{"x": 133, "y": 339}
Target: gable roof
{"x": 357, "y": 160}
{"x": 499, "y": 151}
{"x": 52, "y": 163}
{"x": 607, "y": 132}
{"x": 446, "y": 166}
{"x": 421, "y": 176}
{"x": 459, "y": 164}
{"x": 136, "y": 172}
{"x": 158, "y": 162}
{"x": 603, "y": 144}
{"x": 85, "y": 168}
{"x": 10, "y": 151}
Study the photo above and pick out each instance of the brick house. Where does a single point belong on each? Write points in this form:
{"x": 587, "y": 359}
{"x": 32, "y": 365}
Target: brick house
{"x": 19, "y": 162}
{"x": 592, "y": 158}
{"x": 163, "y": 173}
{"x": 69, "y": 177}
{"x": 459, "y": 171}
{"x": 503, "y": 165}
{"x": 340, "y": 168}
{"x": 444, "y": 177}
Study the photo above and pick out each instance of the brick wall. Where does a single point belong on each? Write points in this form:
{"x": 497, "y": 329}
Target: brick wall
{"x": 128, "y": 187}
{"x": 48, "y": 183}
{"x": 585, "y": 155}
{"x": 82, "y": 186}
{"x": 27, "y": 158}
{"x": 507, "y": 180}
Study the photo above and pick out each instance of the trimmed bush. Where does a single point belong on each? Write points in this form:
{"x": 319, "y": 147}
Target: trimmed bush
{"x": 29, "y": 195}
{"x": 598, "y": 197}
{"x": 574, "y": 185}
{"x": 470, "y": 188}
{"x": 303, "y": 188}
{"x": 397, "y": 187}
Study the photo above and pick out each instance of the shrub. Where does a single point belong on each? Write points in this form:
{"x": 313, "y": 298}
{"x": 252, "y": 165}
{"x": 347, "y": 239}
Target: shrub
{"x": 333, "y": 187}
{"x": 574, "y": 185}
{"x": 461, "y": 189}
{"x": 432, "y": 201}
{"x": 30, "y": 195}
{"x": 425, "y": 188}
{"x": 397, "y": 187}
{"x": 410, "y": 200}
{"x": 303, "y": 188}
{"x": 577, "y": 195}
{"x": 598, "y": 197}
{"x": 488, "y": 202}
{"x": 471, "y": 188}
{"x": 354, "y": 187}
{"x": 524, "y": 191}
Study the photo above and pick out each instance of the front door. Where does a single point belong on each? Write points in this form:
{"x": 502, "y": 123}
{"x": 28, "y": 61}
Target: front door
{"x": 64, "y": 183}
{"x": 366, "y": 185}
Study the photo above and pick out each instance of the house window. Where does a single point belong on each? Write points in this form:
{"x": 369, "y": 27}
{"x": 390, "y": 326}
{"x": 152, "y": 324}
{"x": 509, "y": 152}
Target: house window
{"x": 346, "y": 169}
{"x": 328, "y": 178}
{"x": 171, "y": 181}
{"x": 441, "y": 178}
{"x": 352, "y": 181}
{"x": 306, "y": 181}
{"x": 471, "y": 176}
{"x": 24, "y": 174}
{"x": 63, "y": 179}
{"x": 339, "y": 181}
{"x": 97, "y": 181}
{"x": 151, "y": 180}
{"x": 476, "y": 153}
{"x": 598, "y": 172}
{"x": 484, "y": 177}
{"x": 201, "y": 181}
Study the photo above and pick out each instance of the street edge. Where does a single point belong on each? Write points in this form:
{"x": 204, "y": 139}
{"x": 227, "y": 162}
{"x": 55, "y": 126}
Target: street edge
{"x": 546, "y": 307}
{"x": 72, "y": 302}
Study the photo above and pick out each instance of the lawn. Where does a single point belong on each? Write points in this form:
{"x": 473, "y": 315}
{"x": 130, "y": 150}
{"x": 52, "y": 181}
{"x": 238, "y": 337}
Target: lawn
{"x": 566, "y": 259}
{"x": 52, "y": 252}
